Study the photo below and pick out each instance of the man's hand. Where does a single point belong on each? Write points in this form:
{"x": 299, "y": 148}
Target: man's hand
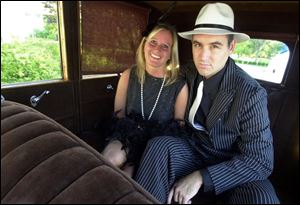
{"x": 186, "y": 188}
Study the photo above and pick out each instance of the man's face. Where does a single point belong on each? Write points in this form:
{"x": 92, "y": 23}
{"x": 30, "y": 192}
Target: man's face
{"x": 210, "y": 53}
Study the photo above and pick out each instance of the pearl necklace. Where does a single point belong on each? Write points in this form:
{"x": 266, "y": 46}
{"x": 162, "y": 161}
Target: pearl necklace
{"x": 157, "y": 98}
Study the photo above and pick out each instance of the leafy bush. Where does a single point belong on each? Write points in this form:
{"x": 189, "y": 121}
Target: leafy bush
{"x": 37, "y": 58}
{"x": 257, "y": 48}
{"x": 32, "y": 60}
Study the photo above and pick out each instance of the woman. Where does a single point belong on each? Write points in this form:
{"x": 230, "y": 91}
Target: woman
{"x": 150, "y": 97}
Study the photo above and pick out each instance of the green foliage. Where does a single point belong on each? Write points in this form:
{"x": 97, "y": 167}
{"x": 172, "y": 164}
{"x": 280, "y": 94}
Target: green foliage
{"x": 36, "y": 59}
{"x": 257, "y": 52}
{"x": 50, "y": 30}
{"x": 256, "y": 48}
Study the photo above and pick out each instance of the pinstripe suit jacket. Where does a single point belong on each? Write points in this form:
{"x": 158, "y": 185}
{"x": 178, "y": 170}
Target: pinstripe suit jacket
{"x": 239, "y": 144}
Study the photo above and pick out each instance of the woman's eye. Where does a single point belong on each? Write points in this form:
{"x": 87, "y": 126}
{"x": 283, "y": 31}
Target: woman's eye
{"x": 165, "y": 47}
{"x": 152, "y": 43}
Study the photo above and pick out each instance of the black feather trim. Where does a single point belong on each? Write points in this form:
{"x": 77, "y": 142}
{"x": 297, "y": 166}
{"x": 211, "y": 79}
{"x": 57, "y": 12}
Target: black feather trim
{"x": 134, "y": 133}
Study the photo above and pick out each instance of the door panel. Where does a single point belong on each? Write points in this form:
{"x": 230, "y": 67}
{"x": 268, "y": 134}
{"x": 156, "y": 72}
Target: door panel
{"x": 97, "y": 102}
{"x": 58, "y": 104}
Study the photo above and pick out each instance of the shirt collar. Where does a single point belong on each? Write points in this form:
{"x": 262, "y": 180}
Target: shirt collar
{"x": 211, "y": 85}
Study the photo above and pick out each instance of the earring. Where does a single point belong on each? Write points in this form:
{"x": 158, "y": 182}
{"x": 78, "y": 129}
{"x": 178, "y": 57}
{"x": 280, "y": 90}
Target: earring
{"x": 169, "y": 67}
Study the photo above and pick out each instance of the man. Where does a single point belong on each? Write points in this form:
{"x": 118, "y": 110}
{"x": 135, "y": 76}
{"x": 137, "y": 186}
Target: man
{"x": 228, "y": 150}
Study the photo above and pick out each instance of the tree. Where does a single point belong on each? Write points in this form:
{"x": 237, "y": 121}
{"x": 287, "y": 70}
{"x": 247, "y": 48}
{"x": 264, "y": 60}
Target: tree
{"x": 50, "y": 30}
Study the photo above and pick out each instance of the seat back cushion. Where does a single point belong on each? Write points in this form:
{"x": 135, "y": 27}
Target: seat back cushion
{"x": 43, "y": 162}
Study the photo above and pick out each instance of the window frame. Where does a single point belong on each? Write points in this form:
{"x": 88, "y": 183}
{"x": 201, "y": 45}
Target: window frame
{"x": 63, "y": 55}
{"x": 290, "y": 40}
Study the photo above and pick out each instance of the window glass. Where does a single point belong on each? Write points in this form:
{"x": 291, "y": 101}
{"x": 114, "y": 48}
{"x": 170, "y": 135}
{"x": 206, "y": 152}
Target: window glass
{"x": 262, "y": 59}
{"x": 30, "y": 47}
{"x": 110, "y": 34}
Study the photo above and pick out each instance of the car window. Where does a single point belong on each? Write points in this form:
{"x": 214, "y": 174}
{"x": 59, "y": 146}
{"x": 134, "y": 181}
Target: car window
{"x": 263, "y": 59}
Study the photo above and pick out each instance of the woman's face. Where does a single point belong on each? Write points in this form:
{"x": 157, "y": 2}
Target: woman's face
{"x": 157, "y": 49}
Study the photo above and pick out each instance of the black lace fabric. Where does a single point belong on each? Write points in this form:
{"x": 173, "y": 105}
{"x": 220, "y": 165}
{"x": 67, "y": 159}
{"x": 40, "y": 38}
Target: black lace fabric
{"x": 134, "y": 133}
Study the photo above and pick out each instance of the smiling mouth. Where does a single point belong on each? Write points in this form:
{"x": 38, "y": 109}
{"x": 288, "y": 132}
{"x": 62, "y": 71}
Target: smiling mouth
{"x": 155, "y": 56}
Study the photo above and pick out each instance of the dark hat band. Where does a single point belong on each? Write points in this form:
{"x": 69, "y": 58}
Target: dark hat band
{"x": 213, "y": 26}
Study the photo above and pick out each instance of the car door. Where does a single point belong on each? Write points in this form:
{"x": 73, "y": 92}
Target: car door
{"x": 97, "y": 42}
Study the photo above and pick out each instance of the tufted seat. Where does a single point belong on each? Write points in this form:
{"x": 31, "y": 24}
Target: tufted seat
{"x": 42, "y": 162}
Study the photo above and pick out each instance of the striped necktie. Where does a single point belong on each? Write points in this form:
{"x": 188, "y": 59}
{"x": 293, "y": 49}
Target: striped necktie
{"x": 195, "y": 107}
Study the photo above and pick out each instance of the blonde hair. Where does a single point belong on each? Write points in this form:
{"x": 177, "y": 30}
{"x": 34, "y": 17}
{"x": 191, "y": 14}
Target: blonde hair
{"x": 172, "y": 67}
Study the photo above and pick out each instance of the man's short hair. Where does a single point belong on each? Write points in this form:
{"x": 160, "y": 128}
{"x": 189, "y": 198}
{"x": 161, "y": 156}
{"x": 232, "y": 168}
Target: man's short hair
{"x": 230, "y": 39}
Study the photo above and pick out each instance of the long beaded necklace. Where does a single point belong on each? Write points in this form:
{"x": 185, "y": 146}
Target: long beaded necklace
{"x": 157, "y": 98}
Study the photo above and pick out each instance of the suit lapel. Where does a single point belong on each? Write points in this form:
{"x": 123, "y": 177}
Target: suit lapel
{"x": 191, "y": 76}
{"x": 220, "y": 105}
{"x": 224, "y": 96}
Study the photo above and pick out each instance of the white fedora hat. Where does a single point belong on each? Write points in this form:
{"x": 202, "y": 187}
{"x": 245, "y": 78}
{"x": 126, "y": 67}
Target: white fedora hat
{"x": 215, "y": 19}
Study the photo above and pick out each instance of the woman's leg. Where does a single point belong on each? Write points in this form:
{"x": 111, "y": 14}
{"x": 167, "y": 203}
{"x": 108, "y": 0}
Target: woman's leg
{"x": 128, "y": 170}
{"x": 114, "y": 153}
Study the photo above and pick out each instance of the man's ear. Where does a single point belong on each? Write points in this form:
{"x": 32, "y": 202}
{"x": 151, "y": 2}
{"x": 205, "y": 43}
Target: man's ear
{"x": 232, "y": 46}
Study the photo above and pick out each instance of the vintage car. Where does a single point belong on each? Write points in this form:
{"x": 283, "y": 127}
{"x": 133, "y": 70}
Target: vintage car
{"x": 60, "y": 65}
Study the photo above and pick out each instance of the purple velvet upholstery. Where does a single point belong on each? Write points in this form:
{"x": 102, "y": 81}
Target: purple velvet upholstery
{"x": 42, "y": 162}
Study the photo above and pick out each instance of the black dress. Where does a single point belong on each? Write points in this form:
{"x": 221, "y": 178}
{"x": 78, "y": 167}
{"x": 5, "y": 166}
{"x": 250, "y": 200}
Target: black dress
{"x": 133, "y": 131}
{"x": 164, "y": 110}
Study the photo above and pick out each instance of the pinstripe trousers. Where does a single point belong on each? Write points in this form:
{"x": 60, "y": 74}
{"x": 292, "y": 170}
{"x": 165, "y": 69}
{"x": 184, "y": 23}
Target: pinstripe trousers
{"x": 167, "y": 159}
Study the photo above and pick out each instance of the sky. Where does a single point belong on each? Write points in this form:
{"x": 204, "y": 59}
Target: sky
{"x": 19, "y": 18}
